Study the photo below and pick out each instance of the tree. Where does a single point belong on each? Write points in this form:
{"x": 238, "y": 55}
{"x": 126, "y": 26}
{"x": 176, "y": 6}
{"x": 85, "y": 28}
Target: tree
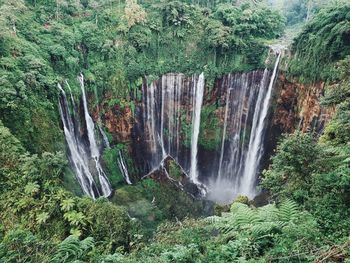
{"x": 134, "y": 13}
{"x": 296, "y": 159}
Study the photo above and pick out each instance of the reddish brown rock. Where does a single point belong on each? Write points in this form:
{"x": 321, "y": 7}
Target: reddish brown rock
{"x": 118, "y": 119}
{"x": 298, "y": 106}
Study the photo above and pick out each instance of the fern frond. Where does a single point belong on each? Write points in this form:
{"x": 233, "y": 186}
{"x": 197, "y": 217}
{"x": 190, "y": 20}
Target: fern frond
{"x": 288, "y": 211}
{"x": 268, "y": 212}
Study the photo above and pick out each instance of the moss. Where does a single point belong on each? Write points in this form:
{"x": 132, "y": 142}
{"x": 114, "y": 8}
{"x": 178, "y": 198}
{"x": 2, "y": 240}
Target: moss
{"x": 174, "y": 170}
{"x": 210, "y": 128}
{"x": 242, "y": 199}
{"x": 110, "y": 157}
{"x": 70, "y": 182}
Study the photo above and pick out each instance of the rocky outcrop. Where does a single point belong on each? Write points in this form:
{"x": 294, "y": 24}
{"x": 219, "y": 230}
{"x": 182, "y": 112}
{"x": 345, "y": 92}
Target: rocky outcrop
{"x": 170, "y": 172}
{"x": 119, "y": 122}
{"x": 117, "y": 119}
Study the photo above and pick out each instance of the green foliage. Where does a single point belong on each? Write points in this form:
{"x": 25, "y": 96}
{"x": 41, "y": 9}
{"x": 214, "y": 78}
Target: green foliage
{"x": 110, "y": 156}
{"x": 315, "y": 175}
{"x": 210, "y": 129}
{"x": 298, "y": 156}
{"x": 18, "y": 246}
{"x": 32, "y": 199}
{"x": 253, "y": 232}
{"x": 114, "y": 44}
{"x": 174, "y": 170}
{"x": 72, "y": 249}
{"x": 323, "y": 41}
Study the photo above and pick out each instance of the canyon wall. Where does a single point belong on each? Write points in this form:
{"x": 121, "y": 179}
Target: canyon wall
{"x": 159, "y": 125}
{"x": 294, "y": 106}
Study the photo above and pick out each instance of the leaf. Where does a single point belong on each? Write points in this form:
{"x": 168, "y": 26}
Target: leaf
{"x": 32, "y": 188}
{"x": 67, "y": 204}
{"x": 42, "y": 218}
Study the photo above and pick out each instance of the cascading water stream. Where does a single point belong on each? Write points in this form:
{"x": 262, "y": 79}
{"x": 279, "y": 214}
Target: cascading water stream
{"x": 77, "y": 154}
{"x": 167, "y": 117}
{"x": 224, "y": 133}
{"x": 104, "y": 137}
{"x": 123, "y": 168}
{"x": 196, "y": 119}
{"x": 94, "y": 151}
{"x": 171, "y": 126}
{"x": 255, "y": 149}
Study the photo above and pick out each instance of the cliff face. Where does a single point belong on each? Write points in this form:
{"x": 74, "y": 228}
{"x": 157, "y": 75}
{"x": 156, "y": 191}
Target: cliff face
{"x": 294, "y": 106}
{"x": 297, "y": 106}
{"x": 117, "y": 119}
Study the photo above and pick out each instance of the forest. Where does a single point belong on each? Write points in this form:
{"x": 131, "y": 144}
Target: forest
{"x": 174, "y": 131}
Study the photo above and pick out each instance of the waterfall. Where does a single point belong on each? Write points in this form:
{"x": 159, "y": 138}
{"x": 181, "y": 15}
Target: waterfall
{"x": 255, "y": 149}
{"x": 196, "y": 119}
{"x": 94, "y": 151}
{"x": 224, "y": 133}
{"x": 79, "y": 156}
{"x": 71, "y": 95}
{"x": 168, "y": 116}
{"x": 123, "y": 168}
{"x": 171, "y": 119}
{"x": 104, "y": 137}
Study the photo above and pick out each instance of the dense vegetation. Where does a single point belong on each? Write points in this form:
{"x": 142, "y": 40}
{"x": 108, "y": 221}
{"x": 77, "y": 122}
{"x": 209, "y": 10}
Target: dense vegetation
{"x": 115, "y": 44}
{"x": 323, "y": 41}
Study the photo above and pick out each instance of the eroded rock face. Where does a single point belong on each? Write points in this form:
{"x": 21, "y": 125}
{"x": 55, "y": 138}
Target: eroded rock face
{"x": 119, "y": 122}
{"x": 293, "y": 107}
{"x": 117, "y": 119}
{"x": 298, "y": 107}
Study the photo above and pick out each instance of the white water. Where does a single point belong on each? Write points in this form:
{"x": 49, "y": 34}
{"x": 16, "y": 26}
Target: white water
{"x": 239, "y": 101}
{"x": 71, "y": 95}
{"x": 196, "y": 119}
{"x": 123, "y": 168}
{"x": 104, "y": 137}
{"x": 94, "y": 151}
{"x": 171, "y": 123}
{"x": 171, "y": 120}
{"x": 255, "y": 149}
{"x": 77, "y": 154}
{"x": 161, "y": 117}
{"x": 224, "y": 134}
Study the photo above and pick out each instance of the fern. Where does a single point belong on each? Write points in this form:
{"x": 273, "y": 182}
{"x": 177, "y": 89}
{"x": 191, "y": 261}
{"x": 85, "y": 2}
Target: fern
{"x": 288, "y": 211}
{"x": 258, "y": 221}
{"x": 72, "y": 249}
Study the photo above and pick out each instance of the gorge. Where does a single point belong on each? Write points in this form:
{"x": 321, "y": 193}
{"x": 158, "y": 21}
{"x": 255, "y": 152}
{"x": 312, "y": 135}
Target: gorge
{"x": 168, "y": 124}
{"x": 174, "y": 131}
